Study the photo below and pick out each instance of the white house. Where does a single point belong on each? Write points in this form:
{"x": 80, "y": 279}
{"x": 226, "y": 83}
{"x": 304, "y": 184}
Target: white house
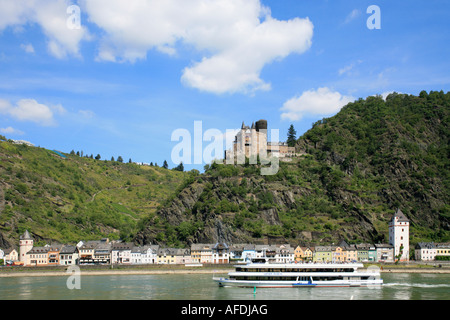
{"x": 121, "y": 253}
{"x": 220, "y": 253}
{"x": 428, "y": 251}
{"x": 284, "y": 254}
{"x": 425, "y": 251}
{"x": 10, "y": 255}
{"x": 144, "y": 255}
{"x": 68, "y": 255}
{"x": 385, "y": 252}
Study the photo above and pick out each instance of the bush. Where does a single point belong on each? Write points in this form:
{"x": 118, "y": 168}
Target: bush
{"x": 22, "y": 188}
{"x": 442, "y": 258}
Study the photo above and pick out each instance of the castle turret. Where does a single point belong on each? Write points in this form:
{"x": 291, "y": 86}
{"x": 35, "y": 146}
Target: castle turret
{"x": 25, "y": 245}
{"x": 261, "y": 125}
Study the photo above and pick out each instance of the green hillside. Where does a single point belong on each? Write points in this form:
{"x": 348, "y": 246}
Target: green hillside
{"x": 75, "y": 198}
{"x": 355, "y": 170}
{"x": 358, "y": 167}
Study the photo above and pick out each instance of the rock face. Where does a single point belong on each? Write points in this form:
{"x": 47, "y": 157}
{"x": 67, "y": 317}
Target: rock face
{"x": 231, "y": 213}
{"x": 4, "y": 244}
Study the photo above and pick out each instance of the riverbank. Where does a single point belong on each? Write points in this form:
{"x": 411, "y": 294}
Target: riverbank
{"x": 116, "y": 270}
{"x": 181, "y": 269}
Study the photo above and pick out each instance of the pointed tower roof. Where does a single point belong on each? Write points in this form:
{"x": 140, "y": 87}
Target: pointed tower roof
{"x": 26, "y": 236}
{"x": 400, "y": 216}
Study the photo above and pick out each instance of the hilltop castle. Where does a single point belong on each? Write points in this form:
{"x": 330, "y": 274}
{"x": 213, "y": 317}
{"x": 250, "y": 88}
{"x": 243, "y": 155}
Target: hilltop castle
{"x": 252, "y": 141}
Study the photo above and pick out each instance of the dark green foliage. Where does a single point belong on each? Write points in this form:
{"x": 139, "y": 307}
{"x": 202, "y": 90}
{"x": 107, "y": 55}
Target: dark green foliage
{"x": 291, "y": 139}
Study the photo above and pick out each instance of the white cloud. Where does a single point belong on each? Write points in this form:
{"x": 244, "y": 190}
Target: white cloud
{"x": 352, "y": 15}
{"x": 31, "y": 110}
{"x": 322, "y": 101}
{"x": 347, "y": 69}
{"x": 51, "y": 16}
{"x": 237, "y": 38}
{"x": 12, "y": 131}
{"x": 28, "y": 48}
{"x": 86, "y": 114}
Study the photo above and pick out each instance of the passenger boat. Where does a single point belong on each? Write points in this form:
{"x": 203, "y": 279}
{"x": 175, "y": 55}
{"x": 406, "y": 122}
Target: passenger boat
{"x": 273, "y": 275}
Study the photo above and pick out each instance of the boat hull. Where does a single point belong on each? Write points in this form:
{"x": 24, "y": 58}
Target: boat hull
{"x": 225, "y": 282}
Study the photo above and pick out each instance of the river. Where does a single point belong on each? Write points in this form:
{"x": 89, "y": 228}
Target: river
{"x": 397, "y": 286}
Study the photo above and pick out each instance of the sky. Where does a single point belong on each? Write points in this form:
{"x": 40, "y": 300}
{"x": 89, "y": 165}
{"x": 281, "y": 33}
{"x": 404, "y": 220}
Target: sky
{"x": 115, "y": 77}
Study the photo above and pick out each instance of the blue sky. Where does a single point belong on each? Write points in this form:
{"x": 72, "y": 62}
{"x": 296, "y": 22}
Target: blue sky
{"x": 136, "y": 71}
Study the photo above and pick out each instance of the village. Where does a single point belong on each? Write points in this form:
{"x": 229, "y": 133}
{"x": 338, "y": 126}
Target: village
{"x": 106, "y": 252}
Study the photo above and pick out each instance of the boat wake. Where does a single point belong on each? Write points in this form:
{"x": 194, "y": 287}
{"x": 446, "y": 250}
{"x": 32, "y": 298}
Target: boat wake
{"x": 416, "y": 285}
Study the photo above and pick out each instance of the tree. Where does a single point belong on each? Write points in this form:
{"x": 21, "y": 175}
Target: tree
{"x": 291, "y": 140}
{"x": 120, "y": 159}
{"x": 97, "y": 157}
{"x": 180, "y": 167}
{"x": 165, "y": 165}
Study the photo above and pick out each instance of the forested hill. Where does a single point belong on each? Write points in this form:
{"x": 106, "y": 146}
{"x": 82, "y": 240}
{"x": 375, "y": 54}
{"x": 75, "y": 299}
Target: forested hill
{"x": 393, "y": 152}
{"x": 66, "y": 198}
{"x": 358, "y": 167}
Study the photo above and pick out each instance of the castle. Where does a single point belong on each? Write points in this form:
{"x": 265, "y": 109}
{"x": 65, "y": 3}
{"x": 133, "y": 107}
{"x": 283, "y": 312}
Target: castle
{"x": 252, "y": 141}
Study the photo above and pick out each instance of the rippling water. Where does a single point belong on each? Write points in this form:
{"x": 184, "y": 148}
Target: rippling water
{"x": 398, "y": 286}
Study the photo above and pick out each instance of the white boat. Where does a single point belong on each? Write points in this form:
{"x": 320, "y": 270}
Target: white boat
{"x": 274, "y": 275}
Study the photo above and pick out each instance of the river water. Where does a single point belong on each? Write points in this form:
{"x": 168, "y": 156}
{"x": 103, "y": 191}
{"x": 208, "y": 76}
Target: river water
{"x": 398, "y": 286}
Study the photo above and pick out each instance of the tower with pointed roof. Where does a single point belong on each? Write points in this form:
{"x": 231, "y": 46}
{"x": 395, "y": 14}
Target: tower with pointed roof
{"x": 25, "y": 245}
{"x": 399, "y": 236}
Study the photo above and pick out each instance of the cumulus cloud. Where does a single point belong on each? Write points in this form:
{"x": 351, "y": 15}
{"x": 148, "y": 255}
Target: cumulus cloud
{"x": 31, "y": 110}
{"x": 51, "y": 16}
{"x": 12, "y": 131}
{"x": 322, "y": 101}
{"x": 236, "y": 38}
{"x": 232, "y": 39}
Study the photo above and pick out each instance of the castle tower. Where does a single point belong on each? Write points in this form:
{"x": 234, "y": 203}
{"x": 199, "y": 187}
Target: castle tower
{"x": 249, "y": 142}
{"x": 25, "y": 245}
{"x": 399, "y": 235}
